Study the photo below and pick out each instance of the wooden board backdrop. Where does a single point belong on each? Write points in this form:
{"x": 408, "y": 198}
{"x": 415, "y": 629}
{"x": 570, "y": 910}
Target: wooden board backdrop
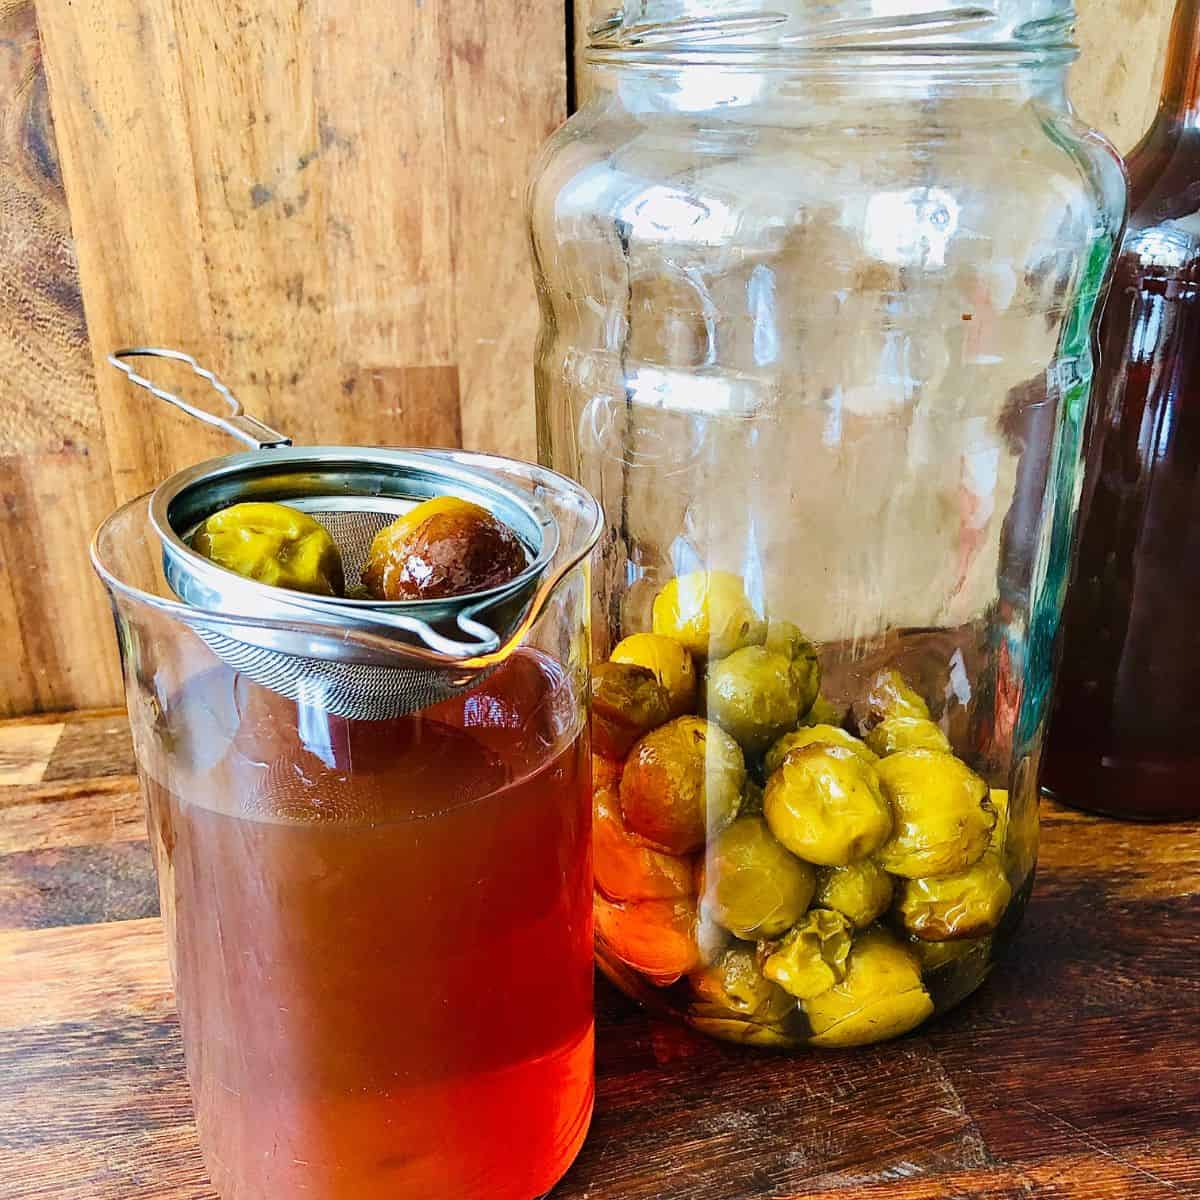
{"x": 322, "y": 198}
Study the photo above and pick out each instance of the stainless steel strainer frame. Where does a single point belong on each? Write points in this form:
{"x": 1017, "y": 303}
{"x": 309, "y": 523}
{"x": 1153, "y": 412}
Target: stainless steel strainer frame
{"x": 361, "y": 659}
{"x": 298, "y": 476}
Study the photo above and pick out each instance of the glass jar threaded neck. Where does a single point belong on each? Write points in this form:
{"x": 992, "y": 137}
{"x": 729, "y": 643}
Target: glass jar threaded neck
{"x": 797, "y": 27}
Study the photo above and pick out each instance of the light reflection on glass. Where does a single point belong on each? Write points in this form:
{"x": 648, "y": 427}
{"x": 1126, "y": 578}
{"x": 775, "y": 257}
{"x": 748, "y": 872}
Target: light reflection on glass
{"x": 666, "y": 214}
{"x": 761, "y": 299}
{"x": 913, "y": 227}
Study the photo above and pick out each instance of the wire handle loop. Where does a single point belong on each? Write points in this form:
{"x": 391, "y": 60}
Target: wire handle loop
{"x": 245, "y": 428}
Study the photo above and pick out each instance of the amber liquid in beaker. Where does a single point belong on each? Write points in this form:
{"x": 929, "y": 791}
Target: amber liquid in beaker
{"x": 382, "y": 942}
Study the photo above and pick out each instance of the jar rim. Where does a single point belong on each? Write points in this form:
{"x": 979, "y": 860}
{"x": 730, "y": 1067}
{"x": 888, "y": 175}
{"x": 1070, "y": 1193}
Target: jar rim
{"x": 774, "y": 27}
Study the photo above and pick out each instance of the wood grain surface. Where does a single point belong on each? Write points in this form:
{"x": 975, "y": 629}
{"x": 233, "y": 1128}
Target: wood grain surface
{"x": 55, "y": 485}
{"x": 1115, "y": 83}
{"x": 1074, "y": 1074}
{"x": 324, "y": 203}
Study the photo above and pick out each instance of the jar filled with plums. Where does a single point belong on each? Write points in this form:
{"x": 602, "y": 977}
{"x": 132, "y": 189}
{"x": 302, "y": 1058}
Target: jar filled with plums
{"x": 817, "y": 287}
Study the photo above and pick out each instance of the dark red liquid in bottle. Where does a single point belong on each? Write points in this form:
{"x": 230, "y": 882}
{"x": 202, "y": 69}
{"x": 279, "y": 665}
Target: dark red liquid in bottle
{"x": 1125, "y": 737}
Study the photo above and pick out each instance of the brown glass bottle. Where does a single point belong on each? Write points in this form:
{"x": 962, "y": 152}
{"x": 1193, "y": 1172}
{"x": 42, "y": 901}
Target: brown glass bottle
{"x": 1125, "y": 736}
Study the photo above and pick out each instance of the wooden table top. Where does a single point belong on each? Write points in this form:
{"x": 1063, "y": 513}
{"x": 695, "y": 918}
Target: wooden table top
{"x": 1073, "y": 1074}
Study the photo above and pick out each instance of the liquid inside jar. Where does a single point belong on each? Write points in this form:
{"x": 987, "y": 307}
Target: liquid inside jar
{"x": 381, "y": 937}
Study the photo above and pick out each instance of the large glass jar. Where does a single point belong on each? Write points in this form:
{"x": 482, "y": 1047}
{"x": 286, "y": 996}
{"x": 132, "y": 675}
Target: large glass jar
{"x": 817, "y": 286}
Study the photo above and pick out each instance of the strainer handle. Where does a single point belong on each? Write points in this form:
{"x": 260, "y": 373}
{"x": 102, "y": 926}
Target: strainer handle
{"x": 245, "y": 428}
{"x": 485, "y": 639}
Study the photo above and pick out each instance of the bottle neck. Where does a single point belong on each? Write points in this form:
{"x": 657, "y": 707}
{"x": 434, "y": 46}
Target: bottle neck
{"x": 1179, "y": 106}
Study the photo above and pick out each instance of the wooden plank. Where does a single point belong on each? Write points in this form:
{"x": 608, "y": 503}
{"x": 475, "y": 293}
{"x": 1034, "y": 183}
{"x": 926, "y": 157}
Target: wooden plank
{"x": 427, "y": 399}
{"x": 390, "y": 184}
{"x": 677, "y": 1116}
{"x": 54, "y": 480}
{"x": 92, "y": 747}
{"x": 25, "y": 753}
{"x": 1129, "y": 1087}
{"x": 329, "y": 202}
{"x": 157, "y": 1163}
{"x": 64, "y": 782}
{"x": 77, "y": 885}
{"x": 1071, "y": 1177}
{"x": 129, "y": 1094}
{"x": 62, "y": 651}
{"x": 29, "y": 720}
{"x": 118, "y": 85}
{"x": 582, "y": 12}
{"x": 101, "y": 1109}
{"x": 55, "y": 816}
{"x": 1116, "y": 82}
{"x": 1138, "y": 861}
{"x": 524, "y": 78}
{"x": 73, "y": 975}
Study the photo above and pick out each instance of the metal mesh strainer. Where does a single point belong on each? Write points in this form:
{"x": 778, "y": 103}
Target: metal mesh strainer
{"x": 359, "y": 659}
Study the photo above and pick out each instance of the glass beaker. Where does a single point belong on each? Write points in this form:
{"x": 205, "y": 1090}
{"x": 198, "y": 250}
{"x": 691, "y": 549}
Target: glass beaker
{"x": 380, "y": 931}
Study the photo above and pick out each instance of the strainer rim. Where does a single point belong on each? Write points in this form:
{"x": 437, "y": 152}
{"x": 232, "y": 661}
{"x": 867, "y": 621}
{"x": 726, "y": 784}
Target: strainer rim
{"x": 174, "y": 486}
{"x": 194, "y": 614}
